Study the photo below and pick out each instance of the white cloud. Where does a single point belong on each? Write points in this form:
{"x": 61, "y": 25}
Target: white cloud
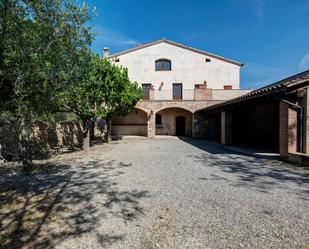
{"x": 304, "y": 63}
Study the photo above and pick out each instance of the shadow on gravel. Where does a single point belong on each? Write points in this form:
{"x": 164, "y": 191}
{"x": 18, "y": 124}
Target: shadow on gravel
{"x": 251, "y": 171}
{"x": 58, "y": 202}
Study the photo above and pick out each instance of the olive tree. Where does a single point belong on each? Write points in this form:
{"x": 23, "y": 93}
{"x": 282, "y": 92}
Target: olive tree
{"x": 101, "y": 90}
{"x": 40, "y": 41}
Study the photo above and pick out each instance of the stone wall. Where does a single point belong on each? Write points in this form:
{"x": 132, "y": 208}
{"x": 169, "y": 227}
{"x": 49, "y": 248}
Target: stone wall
{"x": 190, "y": 105}
{"x": 168, "y": 126}
{"x": 59, "y": 135}
{"x": 44, "y": 137}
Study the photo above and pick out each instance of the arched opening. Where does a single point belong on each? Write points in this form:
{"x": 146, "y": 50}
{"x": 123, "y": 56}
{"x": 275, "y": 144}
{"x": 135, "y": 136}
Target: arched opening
{"x": 175, "y": 121}
{"x": 135, "y": 123}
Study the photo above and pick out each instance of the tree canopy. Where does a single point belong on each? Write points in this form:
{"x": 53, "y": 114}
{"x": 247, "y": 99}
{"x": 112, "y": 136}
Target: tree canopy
{"x": 101, "y": 90}
{"x": 40, "y": 41}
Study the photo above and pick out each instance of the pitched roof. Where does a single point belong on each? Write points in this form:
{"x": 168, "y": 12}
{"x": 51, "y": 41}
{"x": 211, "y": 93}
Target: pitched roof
{"x": 279, "y": 86}
{"x": 178, "y": 45}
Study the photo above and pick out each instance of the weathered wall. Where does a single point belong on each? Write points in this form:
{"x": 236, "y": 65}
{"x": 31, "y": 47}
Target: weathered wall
{"x": 168, "y": 126}
{"x": 135, "y": 123}
{"x": 190, "y": 105}
{"x": 44, "y": 137}
{"x": 57, "y": 135}
{"x": 135, "y": 130}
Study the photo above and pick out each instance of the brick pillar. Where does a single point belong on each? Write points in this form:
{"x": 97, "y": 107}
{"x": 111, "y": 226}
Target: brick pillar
{"x": 151, "y": 124}
{"x": 306, "y": 122}
{"x": 226, "y": 128}
{"x": 288, "y": 140}
{"x": 283, "y": 130}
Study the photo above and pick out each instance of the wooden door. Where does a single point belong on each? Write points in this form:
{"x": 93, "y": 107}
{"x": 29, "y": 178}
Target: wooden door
{"x": 180, "y": 126}
{"x": 177, "y": 91}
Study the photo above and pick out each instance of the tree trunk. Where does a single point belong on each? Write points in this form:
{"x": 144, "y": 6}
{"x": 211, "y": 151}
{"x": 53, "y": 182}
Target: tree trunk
{"x": 108, "y": 130}
{"x": 25, "y": 145}
{"x": 92, "y": 125}
{"x": 86, "y": 134}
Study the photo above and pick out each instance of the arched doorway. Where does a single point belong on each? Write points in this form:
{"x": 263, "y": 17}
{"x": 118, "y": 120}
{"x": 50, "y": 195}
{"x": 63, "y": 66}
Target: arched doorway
{"x": 180, "y": 126}
{"x": 174, "y": 121}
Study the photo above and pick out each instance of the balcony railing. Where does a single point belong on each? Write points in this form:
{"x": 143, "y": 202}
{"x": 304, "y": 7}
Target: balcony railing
{"x": 194, "y": 94}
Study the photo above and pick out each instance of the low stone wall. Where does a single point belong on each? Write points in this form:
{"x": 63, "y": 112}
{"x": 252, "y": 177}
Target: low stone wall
{"x": 59, "y": 135}
{"x": 44, "y": 137}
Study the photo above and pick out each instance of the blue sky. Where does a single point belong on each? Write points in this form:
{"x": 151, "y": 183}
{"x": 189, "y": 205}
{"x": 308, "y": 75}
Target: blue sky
{"x": 271, "y": 37}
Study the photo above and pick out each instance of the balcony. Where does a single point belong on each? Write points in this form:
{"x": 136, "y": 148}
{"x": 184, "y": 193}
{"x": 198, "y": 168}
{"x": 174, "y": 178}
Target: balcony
{"x": 198, "y": 94}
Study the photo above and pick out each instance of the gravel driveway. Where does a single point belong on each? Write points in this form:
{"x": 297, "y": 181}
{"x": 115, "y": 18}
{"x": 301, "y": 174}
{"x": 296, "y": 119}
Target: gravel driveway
{"x": 169, "y": 193}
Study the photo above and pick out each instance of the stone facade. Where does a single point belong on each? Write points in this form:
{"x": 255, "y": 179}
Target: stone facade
{"x": 169, "y": 121}
{"x": 151, "y": 108}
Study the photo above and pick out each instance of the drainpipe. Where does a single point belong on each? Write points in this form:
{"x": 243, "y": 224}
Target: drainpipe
{"x": 301, "y": 122}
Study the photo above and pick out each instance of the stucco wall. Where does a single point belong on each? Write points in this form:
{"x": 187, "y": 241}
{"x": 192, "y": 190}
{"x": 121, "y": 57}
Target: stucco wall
{"x": 136, "y": 117}
{"x": 188, "y": 68}
{"x": 135, "y": 123}
{"x": 137, "y": 130}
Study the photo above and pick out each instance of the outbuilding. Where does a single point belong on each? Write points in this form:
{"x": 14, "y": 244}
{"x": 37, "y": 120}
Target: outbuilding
{"x": 273, "y": 118}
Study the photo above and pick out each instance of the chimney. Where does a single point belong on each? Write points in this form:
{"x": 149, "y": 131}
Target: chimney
{"x": 105, "y": 52}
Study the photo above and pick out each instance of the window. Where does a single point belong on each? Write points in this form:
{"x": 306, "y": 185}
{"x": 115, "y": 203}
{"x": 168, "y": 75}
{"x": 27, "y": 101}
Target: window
{"x": 177, "y": 91}
{"x": 158, "y": 119}
{"x": 228, "y": 87}
{"x": 163, "y": 65}
{"x": 146, "y": 91}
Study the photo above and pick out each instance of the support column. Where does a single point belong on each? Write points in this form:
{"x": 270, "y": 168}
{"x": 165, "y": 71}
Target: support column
{"x": 288, "y": 141}
{"x": 151, "y": 124}
{"x": 306, "y": 122}
{"x": 226, "y": 128}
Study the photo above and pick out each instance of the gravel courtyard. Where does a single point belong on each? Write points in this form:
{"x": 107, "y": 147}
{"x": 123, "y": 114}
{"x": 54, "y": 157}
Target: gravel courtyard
{"x": 156, "y": 193}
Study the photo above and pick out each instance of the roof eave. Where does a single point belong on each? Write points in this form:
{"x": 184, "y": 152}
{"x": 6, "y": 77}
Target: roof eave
{"x": 178, "y": 45}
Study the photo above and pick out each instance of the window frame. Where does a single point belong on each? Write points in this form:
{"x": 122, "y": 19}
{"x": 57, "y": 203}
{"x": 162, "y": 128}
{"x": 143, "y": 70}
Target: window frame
{"x": 176, "y": 96}
{"x": 144, "y": 87}
{"x": 163, "y": 64}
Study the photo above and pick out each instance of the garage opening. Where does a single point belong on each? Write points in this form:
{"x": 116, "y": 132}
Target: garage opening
{"x": 256, "y": 126}
{"x": 213, "y": 127}
{"x": 253, "y": 124}
{"x": 135, "y": 124}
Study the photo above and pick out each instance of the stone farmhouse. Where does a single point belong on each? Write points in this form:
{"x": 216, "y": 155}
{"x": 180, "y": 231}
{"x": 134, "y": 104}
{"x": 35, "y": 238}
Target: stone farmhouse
{"x": 177, "y": 80}
{"x": 190, "y": 92}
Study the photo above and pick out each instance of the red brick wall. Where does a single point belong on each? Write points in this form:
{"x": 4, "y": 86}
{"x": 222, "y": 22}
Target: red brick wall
{"x": 292, "y": 130}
